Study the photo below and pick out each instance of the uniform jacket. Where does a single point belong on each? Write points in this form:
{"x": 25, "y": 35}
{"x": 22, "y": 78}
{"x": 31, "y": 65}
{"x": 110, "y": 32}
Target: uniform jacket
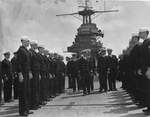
{"x": 42, "y": 63}
{"x": 83, "y": 66}
{"x": 23, "y": 59}
{"x": 35, "y": 62}
{"x": 112, "y": 62}
{"x": 134, "y": 58}
{"x": 102, "y": 63}
{"x": 7, "y": 69}
{"x": 92, "y": 64}
{"x": 14, "y": 65}
{"x": 73, "y": 67}
{"x": 145, "y": 55}
{"x": 69, "y": 67}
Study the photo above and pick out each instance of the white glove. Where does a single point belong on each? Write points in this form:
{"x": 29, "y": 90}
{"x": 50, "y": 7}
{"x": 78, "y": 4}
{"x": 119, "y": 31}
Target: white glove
{"x": 148, "y": 73}
{"x": 20, "y": 77}
{"x": 50, "y": 76}
{"x": 139, "y": 72}
{"x": 39, "y": 77}
{"x": 30, "y": 75}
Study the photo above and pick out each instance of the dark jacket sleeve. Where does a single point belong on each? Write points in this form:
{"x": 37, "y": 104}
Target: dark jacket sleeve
{"x": 19, "y": 58}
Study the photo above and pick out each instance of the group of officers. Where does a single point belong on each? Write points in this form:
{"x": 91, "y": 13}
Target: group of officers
{"x": 81, "y": 71}
{"x": 134, "y": 69}
{"x": 36, "y": 74}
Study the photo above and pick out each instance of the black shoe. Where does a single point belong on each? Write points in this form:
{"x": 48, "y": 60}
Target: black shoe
{"x": 145, "y": 110}
{"x": 47, "y": 99}
{"x": 35, "y": 108}
{"x": 42, "y": 103}
{"x": 23, "y": 114}
{"x": 110, "y": 90}
{"x": 30, "y": 112}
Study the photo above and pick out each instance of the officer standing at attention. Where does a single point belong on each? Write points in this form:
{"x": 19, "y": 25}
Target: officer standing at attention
{"x": 145, "y": 65}
{"x": 23, "y": 58}
{"x": 84, "y": 71}
{"x": 112, "y": 69}
{"x": 7, "y": 72}
{"x": 102, "y": 68}
{"x": 16, "y": 75}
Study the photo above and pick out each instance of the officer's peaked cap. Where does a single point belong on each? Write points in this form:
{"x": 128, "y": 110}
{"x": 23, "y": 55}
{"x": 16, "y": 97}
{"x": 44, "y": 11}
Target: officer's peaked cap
{"x": 86, "y": 51}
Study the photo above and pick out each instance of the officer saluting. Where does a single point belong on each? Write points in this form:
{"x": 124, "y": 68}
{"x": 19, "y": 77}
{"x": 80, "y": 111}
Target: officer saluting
{"x": 84, "y": 71}
{"x": 23, "y": 58}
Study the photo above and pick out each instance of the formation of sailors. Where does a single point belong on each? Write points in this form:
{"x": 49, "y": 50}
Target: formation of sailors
{"x": 134, "y": 69}
{"x": 36, "y": 74}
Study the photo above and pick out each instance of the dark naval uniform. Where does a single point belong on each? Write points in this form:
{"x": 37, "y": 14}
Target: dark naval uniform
{"x": 51, "y": 63}
{"x": 23, "y": 58}
{"x": 126, "y": 71}
{"x": 0, "y": 82}
{"x": 84, "y": 71}
{"x": 112, "y": 66}
{"x": 43, "y": 77}
{"x": 74, "y": 74}
{"x": 120, "y": 70}
{"x": 7, "y": 71}
{"x": 47, "y": 74}
{"x": 92, "y": 68}
{"x": 63, "y": 72}
{"x": 34, "y": 82}
{"x": 135, "y": 79}
{"x": 69, "y": 74}
{"x": 102, "y": 67}
{"x": 145, "y": 64}
{"x": 16, "y": 77}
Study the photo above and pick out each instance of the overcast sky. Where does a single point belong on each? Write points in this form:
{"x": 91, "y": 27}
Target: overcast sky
{"x": 37, "y": 19}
